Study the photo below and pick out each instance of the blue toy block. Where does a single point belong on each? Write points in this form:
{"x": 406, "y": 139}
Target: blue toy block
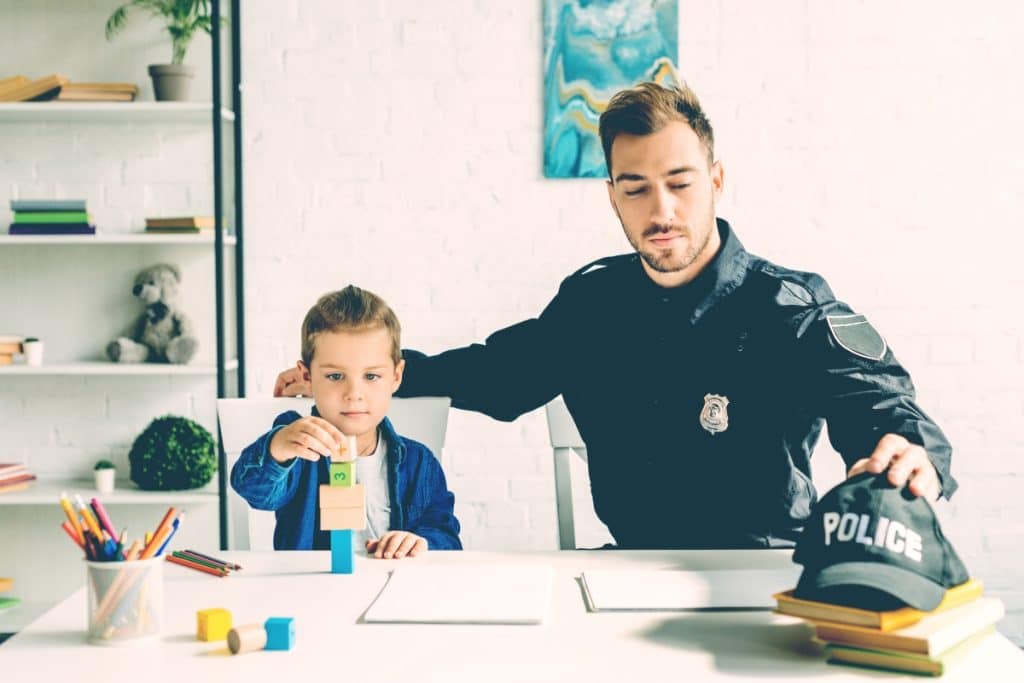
{"x": 343, "y": 556}
{"x": 280, "y": 633}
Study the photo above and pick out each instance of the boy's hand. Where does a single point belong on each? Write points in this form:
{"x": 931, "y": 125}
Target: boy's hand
{"x": 396, "y": 544}
{"x": 291, "y": 383}
{"x": 309, "y": 438}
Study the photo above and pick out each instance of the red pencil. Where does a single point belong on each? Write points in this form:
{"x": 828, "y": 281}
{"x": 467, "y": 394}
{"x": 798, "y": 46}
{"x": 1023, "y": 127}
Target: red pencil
{"x": 66, "y": 526}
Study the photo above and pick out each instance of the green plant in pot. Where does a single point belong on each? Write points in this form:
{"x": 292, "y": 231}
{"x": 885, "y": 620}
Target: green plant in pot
{"x": 182, "y": 19}
{"x": 103, "y": 473}
{"x": 172, "y": 454}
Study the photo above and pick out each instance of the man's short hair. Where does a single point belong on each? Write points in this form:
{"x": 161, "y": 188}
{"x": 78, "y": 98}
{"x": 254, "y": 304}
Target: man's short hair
{"x": 647, "y": 108}
{"x": 349, "y": 309}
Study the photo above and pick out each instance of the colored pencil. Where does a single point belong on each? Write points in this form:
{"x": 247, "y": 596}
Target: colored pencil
{"x": 229, "y": 565}
{"x": 159, "y": 534}
{"x": 72, "y": 517}
{"x": 90, "y": 521}
{"x": 198, "y": 560}
{"x": 103, "y": 517}
{"x": 174, "y": 530}
{"x": 71, "y": 533}
{"x": 198, "y": 567}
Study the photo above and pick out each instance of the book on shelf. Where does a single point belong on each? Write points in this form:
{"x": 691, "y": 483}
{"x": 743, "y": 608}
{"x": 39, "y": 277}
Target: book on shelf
{"x": 910, "y": 662}
{"x": 51, "y": 229}
{"x": 97, "y": 92}
{"x": 26, "y": 217}
{"x": 40, "y": 88}
{"x": 884, "y": 621}
{"x": 6, "y": 584}
{"x": 11, "y": 83}
{"x": 931, "y": 636}
{"x": 183, "y": 223}
{"x": 6, "y": 358}
{"x": 30, "y": 205}
{"x": 18, "y": 483}
{"x": 9, "y": 470}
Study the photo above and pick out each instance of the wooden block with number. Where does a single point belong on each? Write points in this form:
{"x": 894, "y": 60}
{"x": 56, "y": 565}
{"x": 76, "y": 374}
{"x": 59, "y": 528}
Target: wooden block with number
{"x": 342, "y": 473}
{"x": 334, "y": 519}
{"x": 342, "y": 496}
{"x": 213, "y": 624}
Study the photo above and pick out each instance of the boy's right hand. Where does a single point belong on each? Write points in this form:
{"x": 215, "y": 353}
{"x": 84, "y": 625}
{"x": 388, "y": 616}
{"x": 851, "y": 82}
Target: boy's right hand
{"x": 309, "y": 438}
{"x": 291, "y": 383}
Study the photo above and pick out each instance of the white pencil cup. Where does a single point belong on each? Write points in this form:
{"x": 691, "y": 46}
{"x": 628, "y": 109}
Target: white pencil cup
{"x": 126, "y": 601}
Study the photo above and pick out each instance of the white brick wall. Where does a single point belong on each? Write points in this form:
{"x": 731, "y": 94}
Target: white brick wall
{"x": 397, "y": 145}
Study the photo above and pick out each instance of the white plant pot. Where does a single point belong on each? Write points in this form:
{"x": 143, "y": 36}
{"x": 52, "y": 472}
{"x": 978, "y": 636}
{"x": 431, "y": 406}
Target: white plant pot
{"x": 104, "y": 480}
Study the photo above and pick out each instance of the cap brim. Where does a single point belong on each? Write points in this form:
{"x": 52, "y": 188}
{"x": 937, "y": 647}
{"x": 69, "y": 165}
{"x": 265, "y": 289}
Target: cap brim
{"x": 904, "y": 585}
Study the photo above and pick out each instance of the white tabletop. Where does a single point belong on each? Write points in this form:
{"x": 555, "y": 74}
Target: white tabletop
{"x": 574, "y": 645}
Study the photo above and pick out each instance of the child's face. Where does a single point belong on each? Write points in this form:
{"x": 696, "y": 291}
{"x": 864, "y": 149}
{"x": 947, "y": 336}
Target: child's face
{"x": 353, "y": 376}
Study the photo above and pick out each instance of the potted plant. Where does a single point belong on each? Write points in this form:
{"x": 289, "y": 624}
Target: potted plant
{"x": 182, "y": 18}
{"x": 173, "y": 454}
{"x": 103, "y": 472}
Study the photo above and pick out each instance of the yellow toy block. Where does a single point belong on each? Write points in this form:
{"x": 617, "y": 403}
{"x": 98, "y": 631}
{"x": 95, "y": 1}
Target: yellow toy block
{"x": 333, "y": 519}
{"x": 342, "y": 496}
{"x": 213, "y": 624}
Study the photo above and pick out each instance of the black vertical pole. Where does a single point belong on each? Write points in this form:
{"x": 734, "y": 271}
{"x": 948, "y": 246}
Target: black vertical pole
{"x": 218, "y": 256}
{"x": 236, "y": 92}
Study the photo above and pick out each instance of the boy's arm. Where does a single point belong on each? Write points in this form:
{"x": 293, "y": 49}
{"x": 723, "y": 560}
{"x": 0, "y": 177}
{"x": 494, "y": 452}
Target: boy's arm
{"x": 262, "y": 481}
{"x": 436, "y": 523}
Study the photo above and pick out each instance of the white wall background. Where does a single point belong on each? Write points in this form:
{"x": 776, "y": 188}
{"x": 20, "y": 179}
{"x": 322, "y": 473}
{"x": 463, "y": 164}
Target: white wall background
{"x": 397, "y": 145}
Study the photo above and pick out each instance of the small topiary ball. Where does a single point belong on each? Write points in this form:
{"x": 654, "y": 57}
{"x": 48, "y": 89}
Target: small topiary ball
{"x": 172, "y": 454}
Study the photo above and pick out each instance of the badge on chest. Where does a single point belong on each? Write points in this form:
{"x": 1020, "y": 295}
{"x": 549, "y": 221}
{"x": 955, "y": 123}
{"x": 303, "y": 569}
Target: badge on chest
{"x": 714, "y": 416}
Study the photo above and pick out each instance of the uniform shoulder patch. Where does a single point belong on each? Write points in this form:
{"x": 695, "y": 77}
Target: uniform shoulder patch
{"x": 854, "y": 333}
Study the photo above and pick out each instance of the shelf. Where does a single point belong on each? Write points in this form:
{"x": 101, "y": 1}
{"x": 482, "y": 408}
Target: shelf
{"x": 46, "y": 491}
{"x": 15, "y": 619}
{"x": 119, "y": 112}
{"x": 126, "y": 239}
{"x": 100, "y": 367}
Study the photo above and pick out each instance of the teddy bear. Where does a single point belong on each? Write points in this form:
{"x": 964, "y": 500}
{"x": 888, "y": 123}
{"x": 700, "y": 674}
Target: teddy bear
{"x": 163, "y": 334}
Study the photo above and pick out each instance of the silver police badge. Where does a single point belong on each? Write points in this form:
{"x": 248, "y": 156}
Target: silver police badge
{"x": 714, "y": 417}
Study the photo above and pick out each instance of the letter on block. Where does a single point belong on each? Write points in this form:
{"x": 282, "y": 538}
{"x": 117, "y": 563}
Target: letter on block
{"x": 213, "y": 624}
{"x": 343, "y": 496}
{"x": 332, "y": 519}
{"x": 343, "y": 556}
{"x": 280, "y": 633}
{"x": 342, "y": 473}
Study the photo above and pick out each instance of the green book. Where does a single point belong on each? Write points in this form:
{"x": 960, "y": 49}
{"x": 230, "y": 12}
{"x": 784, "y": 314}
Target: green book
{"x": 7, "y": 603}
{"x": 51, "y": 217}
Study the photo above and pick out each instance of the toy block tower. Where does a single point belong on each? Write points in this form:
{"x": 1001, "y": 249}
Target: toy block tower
{"x": 343, "y": 509}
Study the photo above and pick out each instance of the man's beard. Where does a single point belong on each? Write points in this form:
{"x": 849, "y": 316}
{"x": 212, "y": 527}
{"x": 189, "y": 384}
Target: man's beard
{"x": 668, "y": 263}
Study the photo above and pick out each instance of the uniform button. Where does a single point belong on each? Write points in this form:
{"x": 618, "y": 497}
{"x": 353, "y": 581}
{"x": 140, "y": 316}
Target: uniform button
{"x": 664, "y": 299}
{"x": 739, "y": 347}
{"x": 743, "y": 335}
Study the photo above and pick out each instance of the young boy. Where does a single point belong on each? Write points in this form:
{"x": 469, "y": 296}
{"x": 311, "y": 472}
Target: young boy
{"x": 351, "y": 356}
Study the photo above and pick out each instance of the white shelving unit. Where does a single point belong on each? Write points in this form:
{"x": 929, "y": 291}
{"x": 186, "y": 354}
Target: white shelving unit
{"x": 137, "y": 239}
{"x": 47, "y": 492}
{"x": 100, "y": 367}
{"x": 111, "y": 112}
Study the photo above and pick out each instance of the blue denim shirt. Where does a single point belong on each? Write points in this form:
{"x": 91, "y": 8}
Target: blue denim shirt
{"x": 419, "y": 495}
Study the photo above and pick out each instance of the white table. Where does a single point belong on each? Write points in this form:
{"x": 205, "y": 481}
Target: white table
{"x": 331, "y": 644}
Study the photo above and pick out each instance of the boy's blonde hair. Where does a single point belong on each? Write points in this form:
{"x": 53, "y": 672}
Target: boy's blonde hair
{"x": 349, "y": 309}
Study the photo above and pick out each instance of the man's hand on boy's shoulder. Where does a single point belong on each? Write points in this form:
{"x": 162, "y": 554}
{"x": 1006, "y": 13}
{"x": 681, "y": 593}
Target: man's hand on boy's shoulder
{"x": 309, "y": 438}
{"x": 290, "y": 383}
{"x": 396, "y": 544}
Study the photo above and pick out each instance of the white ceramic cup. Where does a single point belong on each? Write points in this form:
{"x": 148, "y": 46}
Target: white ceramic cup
{"x": 33, "y": 351}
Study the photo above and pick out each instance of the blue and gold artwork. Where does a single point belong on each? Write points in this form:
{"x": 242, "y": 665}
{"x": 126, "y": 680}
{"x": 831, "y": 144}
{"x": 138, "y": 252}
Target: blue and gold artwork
{"x": 593, "y": 49}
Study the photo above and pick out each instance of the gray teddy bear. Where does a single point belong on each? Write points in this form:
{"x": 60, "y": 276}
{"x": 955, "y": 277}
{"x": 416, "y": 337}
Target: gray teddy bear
{"x": 163, "y": 334}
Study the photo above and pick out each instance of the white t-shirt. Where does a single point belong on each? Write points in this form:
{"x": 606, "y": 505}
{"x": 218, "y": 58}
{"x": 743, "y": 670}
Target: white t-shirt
{"x": 372, "y": 473}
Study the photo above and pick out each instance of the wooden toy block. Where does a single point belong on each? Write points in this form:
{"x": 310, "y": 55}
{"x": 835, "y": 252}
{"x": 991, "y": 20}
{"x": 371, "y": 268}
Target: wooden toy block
{"x": 213, "y": 624}
{"x": 332, "y": 519}
{"x": 6, "y": 584}
{"x": 249, "y": 638}
{"x": 280, "y": 633}
{"x": 342, "y": 496}
{"x": 343, "y": 556}
{"x": 342, "y": 473}
{"x": 349, "y": 454}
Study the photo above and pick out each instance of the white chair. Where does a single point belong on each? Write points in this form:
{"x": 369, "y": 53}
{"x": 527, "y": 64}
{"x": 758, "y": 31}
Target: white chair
{"x": 578, "y": 524}
{"x": 242, "y": 420}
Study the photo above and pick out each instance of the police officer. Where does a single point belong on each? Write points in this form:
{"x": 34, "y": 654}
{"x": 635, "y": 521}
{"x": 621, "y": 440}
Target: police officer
{"x": 699, "y": 375}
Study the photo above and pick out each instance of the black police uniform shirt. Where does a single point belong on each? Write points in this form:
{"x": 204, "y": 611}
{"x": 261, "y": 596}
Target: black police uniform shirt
{"x": 699, "y": 405}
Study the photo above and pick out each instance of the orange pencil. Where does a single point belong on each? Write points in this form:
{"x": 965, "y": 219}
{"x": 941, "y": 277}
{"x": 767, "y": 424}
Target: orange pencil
{"x": 90, "y": 521}
{"x": 70, "y": 512}
{"x": 197, "y": 567}
{"x": 71, "y": 532}
{"x": 162, "y": 529}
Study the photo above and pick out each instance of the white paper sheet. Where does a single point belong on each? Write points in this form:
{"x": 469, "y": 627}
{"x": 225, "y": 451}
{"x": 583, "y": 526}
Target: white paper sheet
{"x": 465, "y": 594}
{"x": 655, "y": 590}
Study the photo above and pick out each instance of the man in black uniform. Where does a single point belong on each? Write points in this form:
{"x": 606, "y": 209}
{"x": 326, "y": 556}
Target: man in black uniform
{"x": 699, "y": 375}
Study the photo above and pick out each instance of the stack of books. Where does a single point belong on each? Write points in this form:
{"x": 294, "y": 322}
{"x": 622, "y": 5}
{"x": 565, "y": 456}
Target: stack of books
{"x": 903, "y": 639}
{"x": 184, "y": 224}
{"x": 50, "y": 217}
{"x": 9, "y": 345}
{"x": 14, "y": 476}
{"x": 7, "y": 602}
{"x": 60, "y": 88}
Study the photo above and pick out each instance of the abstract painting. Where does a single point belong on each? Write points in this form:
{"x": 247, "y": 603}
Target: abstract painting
{"x": 593, "y": 49}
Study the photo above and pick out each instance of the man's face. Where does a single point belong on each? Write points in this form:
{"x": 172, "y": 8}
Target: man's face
{"x": 664, "y": 193}
{"x": 353, "y": 377}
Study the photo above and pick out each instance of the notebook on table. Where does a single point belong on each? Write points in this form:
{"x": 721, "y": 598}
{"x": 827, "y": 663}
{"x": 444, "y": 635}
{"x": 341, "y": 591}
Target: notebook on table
{"x": 672, "y": 590}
